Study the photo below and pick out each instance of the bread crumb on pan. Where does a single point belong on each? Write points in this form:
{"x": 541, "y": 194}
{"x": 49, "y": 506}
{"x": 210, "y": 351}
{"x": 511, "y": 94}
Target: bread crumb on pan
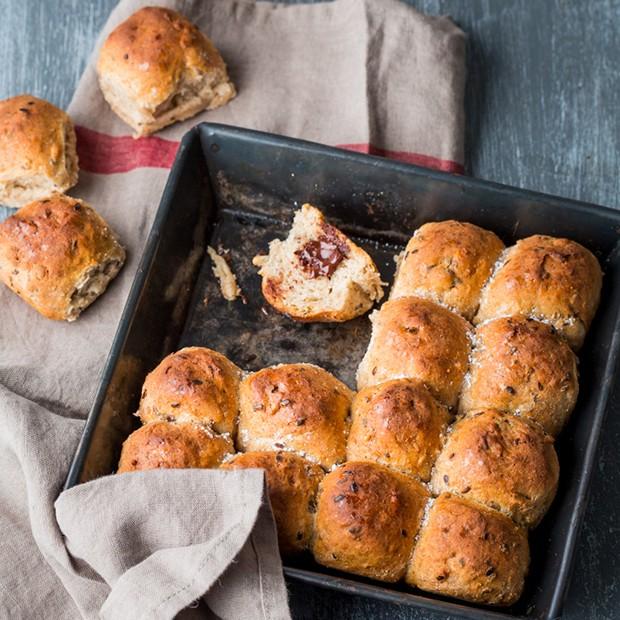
{"x": 225, "y": 277}
{"x": 317, "y": 273}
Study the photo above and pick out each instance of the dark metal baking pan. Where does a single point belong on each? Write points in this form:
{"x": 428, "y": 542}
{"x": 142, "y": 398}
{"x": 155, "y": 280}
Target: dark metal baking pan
{"x": 238, "y": 189}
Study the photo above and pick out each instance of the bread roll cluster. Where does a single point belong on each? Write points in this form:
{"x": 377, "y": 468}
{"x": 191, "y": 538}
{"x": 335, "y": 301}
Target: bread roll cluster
{"x": 434, "y": 471}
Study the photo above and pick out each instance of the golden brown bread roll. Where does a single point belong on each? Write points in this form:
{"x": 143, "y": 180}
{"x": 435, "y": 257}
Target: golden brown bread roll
{"x": 398, "y": 424}
{"x": 416, "y": 338}
{"x": 367, "y": 519}
{"x": 501, "y": 461}
{"x": 296, "y": 407}
{"x": 292, "y": 483}
{"x": 58, "y": 255}
{"x": 172, "y": 446}
{"x": 157, "y": 68}
{"x": 37, "y": 150}
{"x": 553, "y": 280}
{"x": 448, "y": 263}
{"x": 522, "y": 366}
{"x": 317, "y": 273}
{"x": 194, "y": 384}
{"x": 469, "y": 552}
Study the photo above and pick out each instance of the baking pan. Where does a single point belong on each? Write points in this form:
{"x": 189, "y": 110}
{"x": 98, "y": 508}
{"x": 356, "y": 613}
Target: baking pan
{"x": 238, "y": 189}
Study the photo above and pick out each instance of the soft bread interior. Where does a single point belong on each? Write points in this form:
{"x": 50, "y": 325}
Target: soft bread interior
{"x": 349, "y": 291}
{"x": 92, "y": 284}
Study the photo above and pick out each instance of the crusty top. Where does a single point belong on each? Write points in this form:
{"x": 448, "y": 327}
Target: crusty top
{"x": 33, "y": 140}
{"x": 154, "y": 51}
{"x": 367, "y": 519}
{"x": 398, "y": 424}
{"x": 449, "y": 263}
{"x": 413, "y": 337}
{"x": 502, "y": 461}
{"x": 194, "y": 384}
{"x": 172, "y": 446}
{"x": 470, "y": 552}
{"x": 554, "y": 280}
{"x": 522, "y": 366}
{"x": 298, "y": 407}
{"x": 292, "y": 483}
{"x": 48, "y": 246}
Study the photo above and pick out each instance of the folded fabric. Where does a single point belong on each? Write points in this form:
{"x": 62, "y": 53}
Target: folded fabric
{"x": 370, "y": 75}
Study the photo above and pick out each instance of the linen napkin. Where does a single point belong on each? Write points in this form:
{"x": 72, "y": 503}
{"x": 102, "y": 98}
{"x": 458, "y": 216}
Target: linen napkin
{"x": 370, "y": 75}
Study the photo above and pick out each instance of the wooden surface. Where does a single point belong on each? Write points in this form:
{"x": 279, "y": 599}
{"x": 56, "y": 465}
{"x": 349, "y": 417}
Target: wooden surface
{"x": 543, "y": 113}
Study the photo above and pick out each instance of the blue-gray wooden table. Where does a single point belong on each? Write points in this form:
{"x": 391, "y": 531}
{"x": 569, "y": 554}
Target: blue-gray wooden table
{"x": 543, "y": 108}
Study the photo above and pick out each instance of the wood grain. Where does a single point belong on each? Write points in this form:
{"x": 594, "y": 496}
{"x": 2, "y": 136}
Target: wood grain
{"x": 542, "y": 105}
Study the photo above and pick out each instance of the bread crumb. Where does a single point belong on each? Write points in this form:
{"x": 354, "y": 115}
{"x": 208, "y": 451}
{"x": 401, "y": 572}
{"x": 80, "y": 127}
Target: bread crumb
{"x": 226, "y": 278}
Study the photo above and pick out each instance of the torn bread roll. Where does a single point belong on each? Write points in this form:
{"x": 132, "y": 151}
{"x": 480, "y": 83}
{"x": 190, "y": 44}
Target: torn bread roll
{"x": 556, "y": 281}
{"x": 157, "y": 68}
{"x": 295, "y": 407}
{"x": 367, "y": 519}
{"x": 292, "y": 483}
{"x": 416, "y": 338}
{"x": 194, "y": 384}
{"x": 37, "y": 150}
{"x": 317, "y": 273}
{"x": 58, "y": 255}
{"x": 448, "y": 263}
{"x": 161, "y": 445}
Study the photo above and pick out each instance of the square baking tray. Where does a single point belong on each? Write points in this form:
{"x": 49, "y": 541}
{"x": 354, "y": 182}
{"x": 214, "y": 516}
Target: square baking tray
{"x": 238, "y": 189}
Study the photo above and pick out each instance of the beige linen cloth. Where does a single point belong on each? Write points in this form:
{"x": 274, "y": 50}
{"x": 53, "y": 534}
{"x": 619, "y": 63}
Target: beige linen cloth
{"x": 372, "y": 74}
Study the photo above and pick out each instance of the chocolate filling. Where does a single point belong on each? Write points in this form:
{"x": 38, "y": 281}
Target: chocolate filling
{"x": 322, "y": 256}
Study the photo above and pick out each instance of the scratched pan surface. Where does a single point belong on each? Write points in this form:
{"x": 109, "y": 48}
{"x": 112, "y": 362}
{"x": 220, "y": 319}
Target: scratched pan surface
{"x": 238, "y": 189}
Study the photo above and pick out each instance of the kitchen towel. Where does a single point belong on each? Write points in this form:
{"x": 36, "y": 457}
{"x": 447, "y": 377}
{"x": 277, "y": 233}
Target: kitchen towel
{"x": 374, "y": 76}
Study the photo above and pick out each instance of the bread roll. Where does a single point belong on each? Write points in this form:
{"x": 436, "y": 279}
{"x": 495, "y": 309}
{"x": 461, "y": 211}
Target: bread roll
{"x": 522, "y": 366}
{"x": 172, "y": 446}
{"x": 292, "y": 483}
{"x": 58, "y": 255}
{"x": 317, "y": 273}
{"x": 37, "y": 150}
{"x": 157, "y": 68}
{"x": 296, "y": 407}
{"x": 469, "y": 552}
{"x": 501, "y": 461}
{"x": 398, "y": 424}
{"x": 194, "y": 384}
{"x": 553, "y": 280}
{"x": 448, "y": 263}
{"x": 416, "y": 338}
{"x": 367, "y": 519}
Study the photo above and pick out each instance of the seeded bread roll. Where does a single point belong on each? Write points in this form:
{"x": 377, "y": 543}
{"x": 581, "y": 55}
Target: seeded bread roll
{"x": 416, "y": 338}
{"x": 367, "y": 519}
{"x": 522, "y": 366}
{"x": 37, "y": 150}
{"x": 553, "y": 280}
{"x": 397, "y": 424}
{"x": 160, "y": 445}
{"x": 469, "y": 552}
{"x": 448, "y": 263}
{"x": 295, "y": 407}
{"x": 58, "y": 255}
{"x": 501, "y": 461}
{"x": 194, "y": 384}
{"x": 157, "y": 68}
{"x": 317, "y": 273}
{"x": 292, "y": 483}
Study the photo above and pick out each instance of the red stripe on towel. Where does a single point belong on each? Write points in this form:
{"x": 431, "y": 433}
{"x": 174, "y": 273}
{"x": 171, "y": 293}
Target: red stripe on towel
{"x": 104, "y": 154}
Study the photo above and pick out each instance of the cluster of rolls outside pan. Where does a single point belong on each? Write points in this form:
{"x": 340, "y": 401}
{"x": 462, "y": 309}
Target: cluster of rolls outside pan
{"x": 434, "y": 471}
